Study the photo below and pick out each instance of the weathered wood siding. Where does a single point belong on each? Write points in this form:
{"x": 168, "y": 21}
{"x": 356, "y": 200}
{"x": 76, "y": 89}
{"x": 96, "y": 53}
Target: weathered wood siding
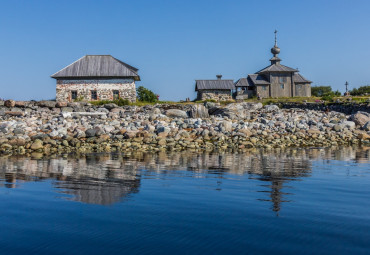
{"x": 276, "y": 89}
{"x": 103, "y": 88}
{"x": 263, "y": 91}
{"x": 302, "y": 90}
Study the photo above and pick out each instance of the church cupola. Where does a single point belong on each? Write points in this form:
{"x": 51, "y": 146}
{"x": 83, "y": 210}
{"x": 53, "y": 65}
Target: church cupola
{"x": 275, "y": 51}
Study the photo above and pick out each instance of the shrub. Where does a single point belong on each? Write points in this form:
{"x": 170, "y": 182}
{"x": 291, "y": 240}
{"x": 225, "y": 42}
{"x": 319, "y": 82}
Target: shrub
{"x": 319, "y": 91}
{"x": 146, "y": 95}
{"x": 363, "y": 90}
{"x": 328, "y": 97}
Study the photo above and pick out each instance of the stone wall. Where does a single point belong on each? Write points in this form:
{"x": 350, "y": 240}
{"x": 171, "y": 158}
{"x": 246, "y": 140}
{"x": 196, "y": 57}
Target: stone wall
{"x": 214, "y": 94}
{"x": 104, "y": 89}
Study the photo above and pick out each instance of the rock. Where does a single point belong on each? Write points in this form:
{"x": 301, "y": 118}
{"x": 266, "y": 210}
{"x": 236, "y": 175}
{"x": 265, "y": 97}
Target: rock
{"x": 90, "y": 132}
{"x": 313, "y": 131}
{"x": 349, "y": 124}
{"x": 9, "y": 103}
{"x": 163, "y": 130}
{"x": 366, "y": 126}
{"x": 67, "y": 109}
{"x": 338, "y": 128}
{"x": 11, "y": 113}
{"x": 363, "y": 136}
{"x": 361, "y": 118}
{"x": 37, "y": 144}
{"x": 18, "y": 131}
{"x": 49, "y": 104}
{"x": 226, "y": 125}
{"x": 61, "y": 104}
{"x": 271, "y": 108}
{"x": 156, "y": 111}
{"x": 130, "y": 134}
{"x": 110, "y": 106}
{"x": 6, "y": 146}
{"x": 246, "y": 132}
{"x": 198, "y": 111}
{"x": 20, "y": 104}
{"x": 175, "y": 113}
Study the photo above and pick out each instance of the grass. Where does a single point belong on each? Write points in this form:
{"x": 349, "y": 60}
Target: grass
{"x": 264, "y": 101}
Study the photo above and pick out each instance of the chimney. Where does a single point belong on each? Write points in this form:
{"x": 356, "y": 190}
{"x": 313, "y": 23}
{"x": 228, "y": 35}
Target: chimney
{"x": 219, "y": 76}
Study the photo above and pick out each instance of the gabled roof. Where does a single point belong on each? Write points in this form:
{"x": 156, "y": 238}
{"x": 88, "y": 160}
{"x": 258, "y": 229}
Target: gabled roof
{"x": 97, "y": 66}
{"x": 258, "y": 79}
{"x": 214, "y": 84}
{"x": 243, "y": 82}
{"x": 277, "y": 68}
{"x": 298, "y": 78}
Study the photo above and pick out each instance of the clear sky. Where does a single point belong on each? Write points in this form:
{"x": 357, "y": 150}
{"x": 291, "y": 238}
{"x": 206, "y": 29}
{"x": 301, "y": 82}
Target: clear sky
{"x": 175, "y": 42}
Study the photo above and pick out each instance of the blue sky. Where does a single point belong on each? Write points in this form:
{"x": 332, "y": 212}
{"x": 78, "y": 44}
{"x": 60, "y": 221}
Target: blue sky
{"x": 175, "y": 42}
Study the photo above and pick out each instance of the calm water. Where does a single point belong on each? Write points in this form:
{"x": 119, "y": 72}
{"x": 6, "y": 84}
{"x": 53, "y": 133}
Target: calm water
{"x": 309, "y": 201}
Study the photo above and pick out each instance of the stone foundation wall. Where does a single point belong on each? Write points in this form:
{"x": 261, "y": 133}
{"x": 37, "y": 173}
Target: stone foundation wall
{"x": 103, "y": 88}
{"x": 218, "y": 95}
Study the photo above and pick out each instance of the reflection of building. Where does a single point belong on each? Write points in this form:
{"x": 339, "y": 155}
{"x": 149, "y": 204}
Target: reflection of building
{"x": 108, "y": 178}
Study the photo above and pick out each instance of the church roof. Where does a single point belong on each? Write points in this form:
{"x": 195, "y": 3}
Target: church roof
{"x": 298, "y": 78}
{"x": 251, "y": 80}
{"x": 277, "y": 68}
{"x": 98, "y": 66}
{"x": 258, "y": 79}
{"x": 214, "y": 84}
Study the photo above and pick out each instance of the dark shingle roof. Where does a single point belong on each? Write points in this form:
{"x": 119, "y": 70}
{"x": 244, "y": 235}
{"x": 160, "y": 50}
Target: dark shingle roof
{"x": 258, "y": 79}
{"x": 242, "y": 82}
{"x": 277, "y": 68}
{"x": 298, "y": 78}
{"x": 97, "y": 66}
{"x": 214, "y": 84}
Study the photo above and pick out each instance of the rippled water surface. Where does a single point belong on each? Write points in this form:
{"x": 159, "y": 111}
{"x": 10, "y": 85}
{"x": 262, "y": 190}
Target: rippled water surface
{"x": 307, "y": 201}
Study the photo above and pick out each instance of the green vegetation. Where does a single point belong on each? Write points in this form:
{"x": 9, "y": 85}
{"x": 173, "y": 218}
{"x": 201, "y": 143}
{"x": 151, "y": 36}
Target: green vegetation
{"x": 324, "y": 91}
{"x": 79, "y": 99}
{"x": 363, "y": 90}
{"x": 146, "y": 95}
{"x": 119, "y": 102}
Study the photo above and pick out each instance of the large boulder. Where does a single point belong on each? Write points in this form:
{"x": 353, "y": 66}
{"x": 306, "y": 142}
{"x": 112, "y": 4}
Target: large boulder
{"x": 110, "y": 106}
{"x": 361, "y": 118}
{"x": 198, "y": 111}
{"x": 236, "y": 110}
{"x": 175, "y": 113}
{"x": 9, "y": 103}
{"x": 46, "y": 103}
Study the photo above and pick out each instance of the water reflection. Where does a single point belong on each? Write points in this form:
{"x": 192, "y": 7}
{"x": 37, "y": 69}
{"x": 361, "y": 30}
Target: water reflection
{"x": 109, "y": 178}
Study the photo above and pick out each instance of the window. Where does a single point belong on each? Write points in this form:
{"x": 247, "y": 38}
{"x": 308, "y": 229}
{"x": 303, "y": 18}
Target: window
{"x": 115, "y": 94}
{"x": 282, "y": 79}
{"x": 74, "y": 94}
{"x": 94, "y": 95}
{"x": 282, "y": 86}
{"x": 264, "y": 87}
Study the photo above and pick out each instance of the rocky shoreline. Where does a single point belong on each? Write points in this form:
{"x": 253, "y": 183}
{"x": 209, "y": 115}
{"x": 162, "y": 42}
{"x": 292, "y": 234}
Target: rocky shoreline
{"x": 48, "y": 127}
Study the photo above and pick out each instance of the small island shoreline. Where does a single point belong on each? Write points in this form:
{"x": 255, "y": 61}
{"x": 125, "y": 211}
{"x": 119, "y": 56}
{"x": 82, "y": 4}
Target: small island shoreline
{"x": 49, "y": 127}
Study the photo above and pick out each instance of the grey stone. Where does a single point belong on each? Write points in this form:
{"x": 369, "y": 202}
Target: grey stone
{"x": 175, "y": 113}
{"x": 198, "y": 111}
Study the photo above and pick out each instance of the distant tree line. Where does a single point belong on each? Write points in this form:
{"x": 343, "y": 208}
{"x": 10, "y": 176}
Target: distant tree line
{"x": 322, "y": 91}
{"x": 326, "y": 91}
{"x": 363, "y": 90}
